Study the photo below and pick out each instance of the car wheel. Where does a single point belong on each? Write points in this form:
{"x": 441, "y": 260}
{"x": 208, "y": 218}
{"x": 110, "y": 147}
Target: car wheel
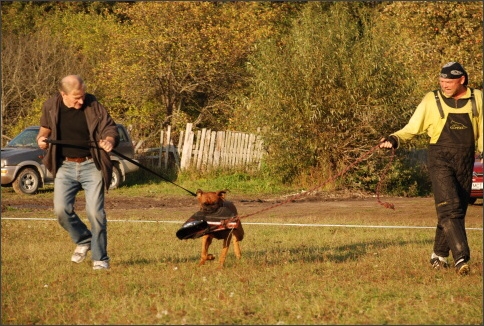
{"x": 472, "y": 200}
{"x": 116, "y": 179}
{"x": 27, "y": 182}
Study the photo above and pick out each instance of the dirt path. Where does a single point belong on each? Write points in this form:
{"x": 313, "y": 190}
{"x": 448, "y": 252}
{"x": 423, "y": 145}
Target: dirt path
{"x": 335, "y": 208}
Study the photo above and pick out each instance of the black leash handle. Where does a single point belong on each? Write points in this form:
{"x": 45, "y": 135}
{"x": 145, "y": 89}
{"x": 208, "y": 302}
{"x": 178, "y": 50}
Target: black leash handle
{"x": 71, "y": 142}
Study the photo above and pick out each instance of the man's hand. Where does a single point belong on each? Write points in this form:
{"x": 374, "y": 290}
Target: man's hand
{"x": 41, "y": 143}
{"x": 43, "y": 135}
{"x": 107, "y": 144}
{"x": 389, "y": 142}
{"x": 385, "y": 143}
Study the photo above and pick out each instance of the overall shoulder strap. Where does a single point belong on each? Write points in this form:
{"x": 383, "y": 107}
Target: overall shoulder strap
{"x": 439, "y": 105}
{"x": 474, "y": 106}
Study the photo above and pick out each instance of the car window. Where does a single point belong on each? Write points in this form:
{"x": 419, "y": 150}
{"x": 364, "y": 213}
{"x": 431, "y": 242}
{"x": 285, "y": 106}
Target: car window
{"x": 122, "y": 135}
{"x": 26, "y": 138}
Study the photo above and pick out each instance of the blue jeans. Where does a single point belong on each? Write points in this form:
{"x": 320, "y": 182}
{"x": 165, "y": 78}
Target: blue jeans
{"x": 69, "y": 180}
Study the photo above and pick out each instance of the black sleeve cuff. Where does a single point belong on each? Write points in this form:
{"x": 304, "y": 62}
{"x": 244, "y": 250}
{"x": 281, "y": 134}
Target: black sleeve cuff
{"x": 393, "y": 140}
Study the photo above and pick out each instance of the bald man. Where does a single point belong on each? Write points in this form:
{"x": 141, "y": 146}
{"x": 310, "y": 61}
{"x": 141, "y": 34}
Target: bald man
{"x": 452, "y": 118}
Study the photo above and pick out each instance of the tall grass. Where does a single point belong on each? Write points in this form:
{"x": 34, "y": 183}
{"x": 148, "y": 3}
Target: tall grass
{"x": 288, "y": 274}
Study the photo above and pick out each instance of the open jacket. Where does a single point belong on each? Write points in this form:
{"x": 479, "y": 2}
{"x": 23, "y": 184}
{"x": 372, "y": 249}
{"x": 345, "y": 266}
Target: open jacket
{"x": 100, "y": 125}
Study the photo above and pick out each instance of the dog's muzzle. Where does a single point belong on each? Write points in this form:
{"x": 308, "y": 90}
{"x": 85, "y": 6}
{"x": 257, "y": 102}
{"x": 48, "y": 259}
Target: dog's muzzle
{"x": 210, "y": 208}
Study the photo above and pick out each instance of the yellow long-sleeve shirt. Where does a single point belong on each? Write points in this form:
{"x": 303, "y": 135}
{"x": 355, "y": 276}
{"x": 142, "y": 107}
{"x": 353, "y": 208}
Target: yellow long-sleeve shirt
{"x": 426, "y": 118}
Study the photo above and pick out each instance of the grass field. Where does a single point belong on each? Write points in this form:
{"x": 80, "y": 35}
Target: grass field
{"x": 354, "y": 262}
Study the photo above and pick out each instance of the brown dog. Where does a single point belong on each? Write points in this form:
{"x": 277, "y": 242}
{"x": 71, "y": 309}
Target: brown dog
{"x": 230, "y": 228}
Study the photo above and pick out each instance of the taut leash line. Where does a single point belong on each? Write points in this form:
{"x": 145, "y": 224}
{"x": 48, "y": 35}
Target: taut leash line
{"x": 84, "y": 144}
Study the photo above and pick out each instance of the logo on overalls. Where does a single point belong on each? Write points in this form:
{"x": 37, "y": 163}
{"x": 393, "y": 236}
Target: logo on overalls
{"x": 457, "y": 125}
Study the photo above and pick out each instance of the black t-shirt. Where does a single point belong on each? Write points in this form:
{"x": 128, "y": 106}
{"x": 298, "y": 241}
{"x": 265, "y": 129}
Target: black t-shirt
{"x": 73, "y": 127}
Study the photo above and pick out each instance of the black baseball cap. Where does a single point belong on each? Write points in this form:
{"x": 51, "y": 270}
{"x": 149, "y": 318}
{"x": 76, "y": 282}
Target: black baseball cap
{"x": 453, "y": 70}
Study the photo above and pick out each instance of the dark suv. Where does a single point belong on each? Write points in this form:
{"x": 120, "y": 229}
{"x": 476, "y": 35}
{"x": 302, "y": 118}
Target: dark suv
{"x": 22, "y": 166}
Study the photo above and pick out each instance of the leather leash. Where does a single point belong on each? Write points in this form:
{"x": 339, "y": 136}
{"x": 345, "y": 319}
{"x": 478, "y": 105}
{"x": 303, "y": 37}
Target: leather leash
{"x": 83, "y": 145}
{"x": 344, "y": 171}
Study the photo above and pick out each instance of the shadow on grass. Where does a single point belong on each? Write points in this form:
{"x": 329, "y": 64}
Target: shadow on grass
{"x": 302, "y": 253}
{"x": 339, "y": 254}
{"x": 161, "y": 260}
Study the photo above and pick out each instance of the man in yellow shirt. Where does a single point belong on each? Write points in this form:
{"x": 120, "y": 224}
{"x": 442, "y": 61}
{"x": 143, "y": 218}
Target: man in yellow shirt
{"x": 452, "y": 118}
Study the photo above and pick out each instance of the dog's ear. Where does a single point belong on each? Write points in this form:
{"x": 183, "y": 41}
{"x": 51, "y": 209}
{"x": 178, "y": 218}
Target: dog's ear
{"x": 199, "y": 193}
{"x": 221, "y": 194}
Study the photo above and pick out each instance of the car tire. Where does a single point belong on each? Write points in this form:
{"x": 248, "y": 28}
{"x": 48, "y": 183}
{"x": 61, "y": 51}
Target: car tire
{"x": 27, "y": 182}
{"x": 472, "y": 200}
{"x": 116, "y": 178}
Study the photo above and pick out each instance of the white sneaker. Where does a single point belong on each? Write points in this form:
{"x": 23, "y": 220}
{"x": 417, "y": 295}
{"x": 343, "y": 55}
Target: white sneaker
{"x": 438, "y": 262}
{"x": 461, "y": 267}
{"x": 80, "y": 253}
{"x": 100, "y": 264}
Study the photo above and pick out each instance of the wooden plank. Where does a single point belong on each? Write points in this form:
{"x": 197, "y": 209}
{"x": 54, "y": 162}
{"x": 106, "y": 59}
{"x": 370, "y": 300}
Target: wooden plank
{"x": 245, "y": 151}
{"x": 228, "y": 146}
{"x": 218, "y": 149}
{"x": 206, "y": 144}
{"x": 224, "y": 153}
{"x": 234, "y": 148}
{"x": 199, "y": 147}
{"x": 259, "y": 148}
{"x": 250, "y": 148}
{"x": 238, "y": 148}
{"x": 211, "y": 149}
{"x": 187, "y": 147}
{"x": 243, "y": 156}
{"x": 196, "y": 148}
{"x": 168, "y": 145}
{"x": 190, "y": 148}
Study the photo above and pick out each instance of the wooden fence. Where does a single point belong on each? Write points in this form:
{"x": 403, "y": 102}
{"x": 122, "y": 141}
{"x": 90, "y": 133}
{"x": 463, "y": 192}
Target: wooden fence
{"x": 206, "y": 149}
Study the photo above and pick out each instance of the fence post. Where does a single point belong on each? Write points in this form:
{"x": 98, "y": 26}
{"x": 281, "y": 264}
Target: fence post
{"x": 204, "y": 147}
{"x": 199, "y": 147}
{"x": 168, "y": 147}
{"x": 187, "y": 147}
{"x": 211, "y": 149}
{"x": 219, "y": 141}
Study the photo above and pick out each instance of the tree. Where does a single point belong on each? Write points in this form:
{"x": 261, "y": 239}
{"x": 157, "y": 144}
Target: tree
{"x": 323, "y": 92}
{"x": 434, "y": 33}
{"x": 349, "y": 73}
{"x": 174, "y": 62}
{"x": 31, "y": 64}
{"x": 38, "y": 49}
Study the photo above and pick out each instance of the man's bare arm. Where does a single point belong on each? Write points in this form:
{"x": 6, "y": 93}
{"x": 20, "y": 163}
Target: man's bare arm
{"x": 44, "y": 133}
